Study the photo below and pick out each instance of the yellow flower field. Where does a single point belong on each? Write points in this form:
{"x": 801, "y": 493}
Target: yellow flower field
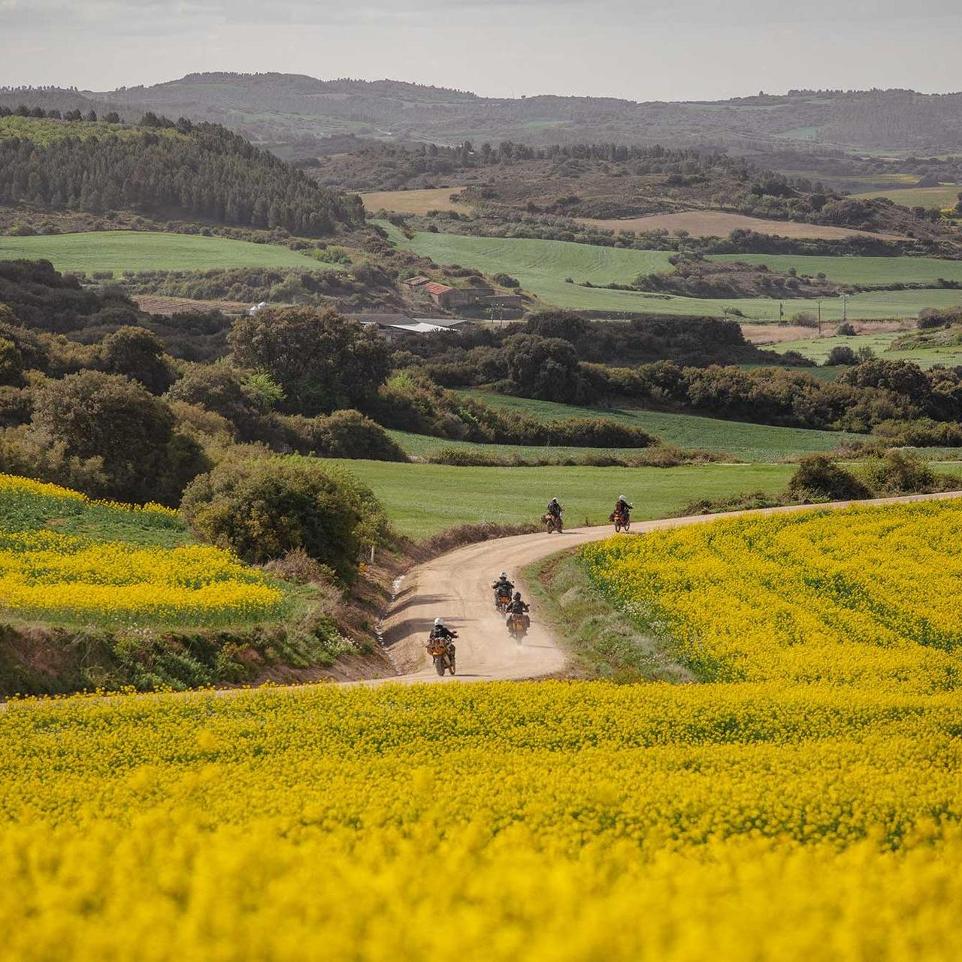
{"x": 811, "y": 814}
{"x": 548, "y": 821}
{"x": 868, "y": 597}
{"x": 103, "y": 578}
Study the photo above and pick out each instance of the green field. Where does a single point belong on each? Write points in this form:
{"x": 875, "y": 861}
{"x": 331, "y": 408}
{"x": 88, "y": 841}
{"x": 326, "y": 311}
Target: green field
{"x": 818, "y": 348}
{"x": 946, "y": 195}
{"x": 749, "y": 442}
{"x": 423, "y": 499}
{"x": 857, "y": 270}
{"x": 120, "y": 251}
{"x": 542, "y": 266}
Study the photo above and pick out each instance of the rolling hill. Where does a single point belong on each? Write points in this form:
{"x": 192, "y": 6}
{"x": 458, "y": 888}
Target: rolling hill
{"x": 282, "y": 109}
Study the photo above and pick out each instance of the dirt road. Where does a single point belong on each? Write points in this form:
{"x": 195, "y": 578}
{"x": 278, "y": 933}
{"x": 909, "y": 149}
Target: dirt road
{"x": 457, "y": 587}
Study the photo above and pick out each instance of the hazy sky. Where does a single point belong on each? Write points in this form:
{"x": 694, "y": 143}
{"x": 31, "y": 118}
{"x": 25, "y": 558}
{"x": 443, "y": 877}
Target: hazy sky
{"x": 637, "y": 49}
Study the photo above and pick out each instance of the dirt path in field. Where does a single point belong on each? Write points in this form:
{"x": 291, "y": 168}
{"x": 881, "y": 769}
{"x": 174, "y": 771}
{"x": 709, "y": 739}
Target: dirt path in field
{"x": 457, "y": 587}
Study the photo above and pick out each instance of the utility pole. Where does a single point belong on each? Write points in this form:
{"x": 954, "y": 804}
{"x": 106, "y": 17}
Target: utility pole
{"x": 844, "y": 308}
{"x": 820, "y": 318}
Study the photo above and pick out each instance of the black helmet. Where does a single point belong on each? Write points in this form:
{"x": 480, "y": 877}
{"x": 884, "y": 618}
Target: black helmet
{"x": 517, "y": 596}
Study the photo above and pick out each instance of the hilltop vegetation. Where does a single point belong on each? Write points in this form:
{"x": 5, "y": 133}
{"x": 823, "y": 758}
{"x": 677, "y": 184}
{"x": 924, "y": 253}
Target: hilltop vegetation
{"x": 196, "y": 171}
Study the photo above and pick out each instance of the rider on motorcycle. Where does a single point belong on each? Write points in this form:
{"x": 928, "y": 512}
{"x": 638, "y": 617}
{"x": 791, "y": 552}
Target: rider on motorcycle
{"x": 554, "y": 508}
{"x": 623, "y": 508}
{"x": 519, "y": 607}
{"x": 502, "y": 586}
{"x": 441, "y": 632}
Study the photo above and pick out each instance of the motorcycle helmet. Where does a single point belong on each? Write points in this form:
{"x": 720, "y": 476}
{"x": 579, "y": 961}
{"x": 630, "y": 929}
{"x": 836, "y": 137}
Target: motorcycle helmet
{"x": 517, "y": 596}
{"x": 504, "y": 575}
{"x": 438, "y": 622}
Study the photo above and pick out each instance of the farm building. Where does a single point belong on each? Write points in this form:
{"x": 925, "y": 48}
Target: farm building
{"x": 397, "y": 327}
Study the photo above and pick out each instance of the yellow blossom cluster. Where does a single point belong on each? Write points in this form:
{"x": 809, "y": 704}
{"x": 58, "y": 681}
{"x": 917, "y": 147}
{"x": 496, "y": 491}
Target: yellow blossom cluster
{"x": 550, "y": 821}
{"x": 866, "y": 597}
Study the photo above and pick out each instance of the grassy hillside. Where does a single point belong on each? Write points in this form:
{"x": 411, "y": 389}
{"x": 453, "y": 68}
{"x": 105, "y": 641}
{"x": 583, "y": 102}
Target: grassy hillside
{"x": 942, "y": 197}
{"x": 423, "y": 499}
{"x": 543, "y": 266}
{"x": 858, "y": 270}
{"x": 750, "y": 442}
{"x": 536, "y": 262}
{"x": 411, "y": 201}
{"x": 120, "y": 251}
{"x": 818, "y": 348}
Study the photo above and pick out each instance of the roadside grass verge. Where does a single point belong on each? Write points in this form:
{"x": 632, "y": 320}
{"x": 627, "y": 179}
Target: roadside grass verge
{"x": 600, "y": 640}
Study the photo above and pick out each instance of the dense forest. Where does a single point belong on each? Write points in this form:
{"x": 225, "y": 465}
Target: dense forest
{"x": 197, "y": 171}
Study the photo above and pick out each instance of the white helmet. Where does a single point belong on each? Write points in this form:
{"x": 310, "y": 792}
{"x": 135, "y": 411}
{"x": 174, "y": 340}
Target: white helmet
{"x": 438, "y": 622}
{"x": 621, "y": 497}
{"x": 504, "y": 574}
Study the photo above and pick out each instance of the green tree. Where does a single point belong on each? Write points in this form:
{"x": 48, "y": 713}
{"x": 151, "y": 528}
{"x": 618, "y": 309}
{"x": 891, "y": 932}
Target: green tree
{"x": 544, "y": 367}
{"x": 321, "y": 360}
{"x": 106, "y": 416}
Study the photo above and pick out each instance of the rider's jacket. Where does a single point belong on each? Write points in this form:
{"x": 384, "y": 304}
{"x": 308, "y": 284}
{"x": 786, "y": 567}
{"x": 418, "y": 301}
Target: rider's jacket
{"x": 441, "y": 633}
{"x": 518, "y": 607}
{"x": 503, "y": 586}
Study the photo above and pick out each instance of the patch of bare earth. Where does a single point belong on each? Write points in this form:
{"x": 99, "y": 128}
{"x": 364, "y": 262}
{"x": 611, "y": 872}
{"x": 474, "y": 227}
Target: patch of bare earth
{"x": 158, "y": 304}
{"x": 720, "y": 223}
{"x": 780, "y": 333}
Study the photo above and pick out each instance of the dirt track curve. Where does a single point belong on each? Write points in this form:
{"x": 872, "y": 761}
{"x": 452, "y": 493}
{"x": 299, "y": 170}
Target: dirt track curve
{"x": 457, "y": 587}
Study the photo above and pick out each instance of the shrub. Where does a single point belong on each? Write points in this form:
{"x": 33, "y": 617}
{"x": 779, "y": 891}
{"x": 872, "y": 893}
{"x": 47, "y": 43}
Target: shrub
{"x": 819, "y": 478}
{"x": 343, "y": 434}
{"x": 262, "y": 509}
{"x": 841, "y": 355}
{"x": 138, "y": 354}
{"x": 11, "y": 364}
{"x": 845, "y": 330}
{"x": 224, "y": 391}
{"x": 933, "y": 317}
{"x": 23, "y": 454}
{"x": 899, "y": 472}
{"x": 105, "y": 416}
{"x": 16, "y": 406}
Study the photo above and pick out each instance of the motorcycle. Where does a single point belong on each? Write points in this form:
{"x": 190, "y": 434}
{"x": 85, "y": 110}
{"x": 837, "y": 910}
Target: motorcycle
{"x": 621, "y": 520}
{"x": 443, "y": 653}
{"x": 518, "y": 625}
{"x": 502, "y": 599}
{"x": 552, "y": 523}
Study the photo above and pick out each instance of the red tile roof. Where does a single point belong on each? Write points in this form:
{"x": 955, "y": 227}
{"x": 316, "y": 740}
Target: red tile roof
{"x": 435, "y": 288}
